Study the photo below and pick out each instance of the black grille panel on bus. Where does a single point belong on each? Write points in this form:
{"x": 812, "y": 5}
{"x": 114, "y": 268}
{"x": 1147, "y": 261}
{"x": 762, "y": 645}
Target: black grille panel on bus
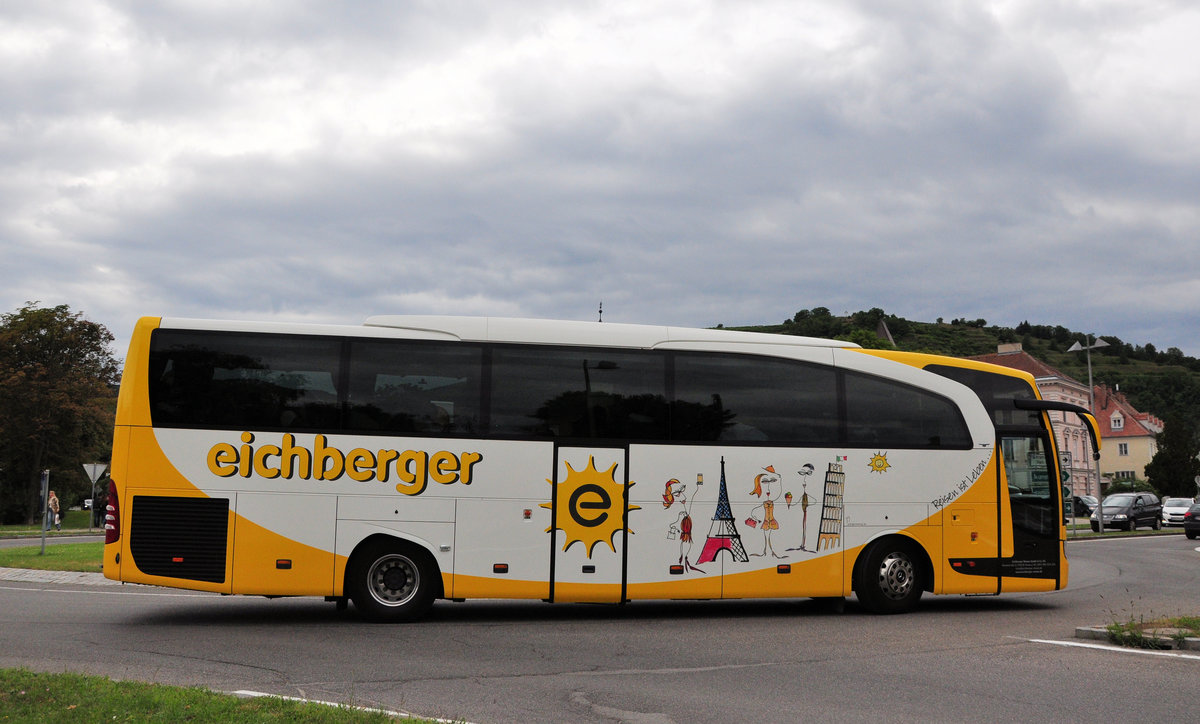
{"x": 180, "y": 537}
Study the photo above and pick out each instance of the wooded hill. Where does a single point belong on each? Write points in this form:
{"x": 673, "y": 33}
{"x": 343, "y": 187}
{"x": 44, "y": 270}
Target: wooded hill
{"x": 1166, "y": 384}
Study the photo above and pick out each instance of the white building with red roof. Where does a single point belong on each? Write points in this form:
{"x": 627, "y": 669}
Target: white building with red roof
{"x": 1129, "y": 436}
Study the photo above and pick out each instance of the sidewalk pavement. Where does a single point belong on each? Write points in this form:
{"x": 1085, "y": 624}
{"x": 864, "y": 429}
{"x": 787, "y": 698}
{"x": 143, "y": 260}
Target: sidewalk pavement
{"x": 28, "y": 575}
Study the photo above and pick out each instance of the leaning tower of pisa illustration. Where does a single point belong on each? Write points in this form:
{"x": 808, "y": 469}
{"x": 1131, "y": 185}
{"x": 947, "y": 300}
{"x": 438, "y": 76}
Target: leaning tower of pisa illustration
{"x": 831, "y": 508}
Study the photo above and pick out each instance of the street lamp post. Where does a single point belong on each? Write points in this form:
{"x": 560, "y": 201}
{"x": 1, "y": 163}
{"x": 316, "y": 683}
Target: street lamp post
{"x": 1092, "y": 409}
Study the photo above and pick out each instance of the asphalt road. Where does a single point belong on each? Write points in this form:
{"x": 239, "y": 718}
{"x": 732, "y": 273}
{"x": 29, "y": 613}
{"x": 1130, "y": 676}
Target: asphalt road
{"x": 1012, "y": 658}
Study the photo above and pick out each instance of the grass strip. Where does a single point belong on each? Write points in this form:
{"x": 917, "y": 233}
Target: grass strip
{"x": 86, "y": 557}
{"x": 75, "y": 521}
{"x": 1143, "y": 633}
{"x": 27, "y": 696}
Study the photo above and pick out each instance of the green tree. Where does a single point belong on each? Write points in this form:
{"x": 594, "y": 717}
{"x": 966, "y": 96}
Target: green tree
{"x": 57, "y": 396}
{"x": 868, "y": 320}
{"x": 816, "y": 322}
{"x": 867, "y": 340}
{"x": 1174, "y": 468}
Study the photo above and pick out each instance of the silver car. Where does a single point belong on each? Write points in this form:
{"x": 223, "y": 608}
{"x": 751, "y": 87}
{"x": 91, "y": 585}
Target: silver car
{"x": 1174, "y": 509}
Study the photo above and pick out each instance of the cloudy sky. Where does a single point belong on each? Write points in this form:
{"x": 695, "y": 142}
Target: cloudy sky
{"x": 688, "y": 163}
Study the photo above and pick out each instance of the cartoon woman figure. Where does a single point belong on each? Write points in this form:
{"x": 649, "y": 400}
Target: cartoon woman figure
{"x": 674, "y": 488}
{"x": 676, "y": 492}
{"x": 767, "y": 484}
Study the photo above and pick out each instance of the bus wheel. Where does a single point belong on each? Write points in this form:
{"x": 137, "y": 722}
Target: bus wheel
{"x": 890, "y": 578}
{"x": 391, "y": 582}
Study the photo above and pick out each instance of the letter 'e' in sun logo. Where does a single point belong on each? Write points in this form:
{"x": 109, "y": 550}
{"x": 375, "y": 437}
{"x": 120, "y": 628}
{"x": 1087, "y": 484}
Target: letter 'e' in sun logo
{"x": 590, "y": 507}
{"x": 879, "y": 463}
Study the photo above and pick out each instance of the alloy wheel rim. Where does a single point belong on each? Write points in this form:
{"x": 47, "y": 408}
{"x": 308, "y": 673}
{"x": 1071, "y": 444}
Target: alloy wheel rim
{"x": 393, "y": 580}
{"x": 896, "y": 576}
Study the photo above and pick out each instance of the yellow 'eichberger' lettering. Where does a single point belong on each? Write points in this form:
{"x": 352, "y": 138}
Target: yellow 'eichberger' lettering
{"x": 413, "y": 468}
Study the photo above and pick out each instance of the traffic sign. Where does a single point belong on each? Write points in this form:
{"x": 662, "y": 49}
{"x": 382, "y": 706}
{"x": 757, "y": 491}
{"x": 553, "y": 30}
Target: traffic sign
{"x": 94, "y": 470}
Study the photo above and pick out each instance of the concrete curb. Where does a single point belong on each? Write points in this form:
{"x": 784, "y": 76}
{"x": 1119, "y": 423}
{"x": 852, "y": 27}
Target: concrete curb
{"x": 28, "y": 575}
{"x": 1162, "y": 637}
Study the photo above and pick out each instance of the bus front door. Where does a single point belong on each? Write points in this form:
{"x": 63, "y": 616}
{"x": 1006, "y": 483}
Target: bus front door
{"x": 589, "y": 524}
{"x": 1034, "y": 518}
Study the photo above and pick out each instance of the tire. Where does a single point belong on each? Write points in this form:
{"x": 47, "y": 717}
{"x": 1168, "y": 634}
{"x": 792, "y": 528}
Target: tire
{"x": 1131, "y": 525}
{"x": 1156, "y": 524}
{"x": 391, "y": 582}
{"x": 889, "y": 580}
{"x": 1190, "y": 534}
{"x": 1095, "y": 528}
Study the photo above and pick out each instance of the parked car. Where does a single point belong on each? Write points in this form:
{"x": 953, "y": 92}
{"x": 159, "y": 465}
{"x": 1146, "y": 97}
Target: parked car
{"x": 1191, "y": 522}
{"x": 1084, "y": 505}
{"x": 1174, "y": 510}
{"x": 1128, "y": 511}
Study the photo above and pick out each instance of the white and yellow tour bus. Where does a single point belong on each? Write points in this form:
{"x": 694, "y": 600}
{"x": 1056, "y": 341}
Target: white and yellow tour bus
{"x": 419, "y": 458}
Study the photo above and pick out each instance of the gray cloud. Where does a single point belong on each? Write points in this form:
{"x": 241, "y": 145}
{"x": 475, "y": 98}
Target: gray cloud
{"x": 714, "y": 163}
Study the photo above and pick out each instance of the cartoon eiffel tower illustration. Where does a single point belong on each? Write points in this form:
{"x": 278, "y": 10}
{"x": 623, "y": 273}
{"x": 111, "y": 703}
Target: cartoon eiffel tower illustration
{"x": 723, "y": 534}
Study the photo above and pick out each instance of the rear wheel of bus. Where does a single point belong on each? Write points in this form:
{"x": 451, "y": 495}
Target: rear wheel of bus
{"x": 391, "y": 581}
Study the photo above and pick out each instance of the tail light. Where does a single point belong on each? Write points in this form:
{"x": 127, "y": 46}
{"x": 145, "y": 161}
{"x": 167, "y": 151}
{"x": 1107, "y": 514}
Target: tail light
{"x": 112, "y": 515}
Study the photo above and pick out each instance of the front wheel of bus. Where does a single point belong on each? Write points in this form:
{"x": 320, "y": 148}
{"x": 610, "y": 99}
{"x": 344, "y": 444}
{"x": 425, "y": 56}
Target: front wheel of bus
{"x": 890, "y": 578}
{"x": 391, "y": 582}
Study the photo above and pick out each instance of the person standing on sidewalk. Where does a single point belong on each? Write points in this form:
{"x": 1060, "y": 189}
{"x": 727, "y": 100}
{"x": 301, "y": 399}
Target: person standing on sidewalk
{"x": 52, "y": 504}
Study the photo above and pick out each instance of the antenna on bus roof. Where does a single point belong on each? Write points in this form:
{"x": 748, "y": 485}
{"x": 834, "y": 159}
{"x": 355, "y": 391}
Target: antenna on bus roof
{"x": 601, "y": 312}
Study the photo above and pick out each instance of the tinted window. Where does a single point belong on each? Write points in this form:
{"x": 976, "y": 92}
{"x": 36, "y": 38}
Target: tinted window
{"x": 884, "y": 413}
{"x": 210, "y": 379}
{"x": 740, "y": 398}
{"x": 292, "y": 382}
{"x": 414, "y": 387}
{"x": 578, "y": 392}
{"x": 996, "y": 392}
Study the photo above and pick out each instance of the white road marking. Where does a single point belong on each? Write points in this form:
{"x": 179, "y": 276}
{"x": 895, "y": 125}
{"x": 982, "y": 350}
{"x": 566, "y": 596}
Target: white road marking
{"x": 371, "y": 710}
{"x": 1119, "y": 649}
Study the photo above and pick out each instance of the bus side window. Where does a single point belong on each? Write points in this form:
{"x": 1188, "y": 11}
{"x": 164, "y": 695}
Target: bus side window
{"x": 212, "y": 379}
{"x": 743, "y": 398}
{"x": 399, "y": 386}
{"x": 578, "y": 392}
{"x": 891, "y": 414}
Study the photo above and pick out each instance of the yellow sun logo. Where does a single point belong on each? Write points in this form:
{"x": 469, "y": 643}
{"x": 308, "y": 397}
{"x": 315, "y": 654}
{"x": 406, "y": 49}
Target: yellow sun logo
{"x": 591, "y": 507}
{"x": 879, "y": 463}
